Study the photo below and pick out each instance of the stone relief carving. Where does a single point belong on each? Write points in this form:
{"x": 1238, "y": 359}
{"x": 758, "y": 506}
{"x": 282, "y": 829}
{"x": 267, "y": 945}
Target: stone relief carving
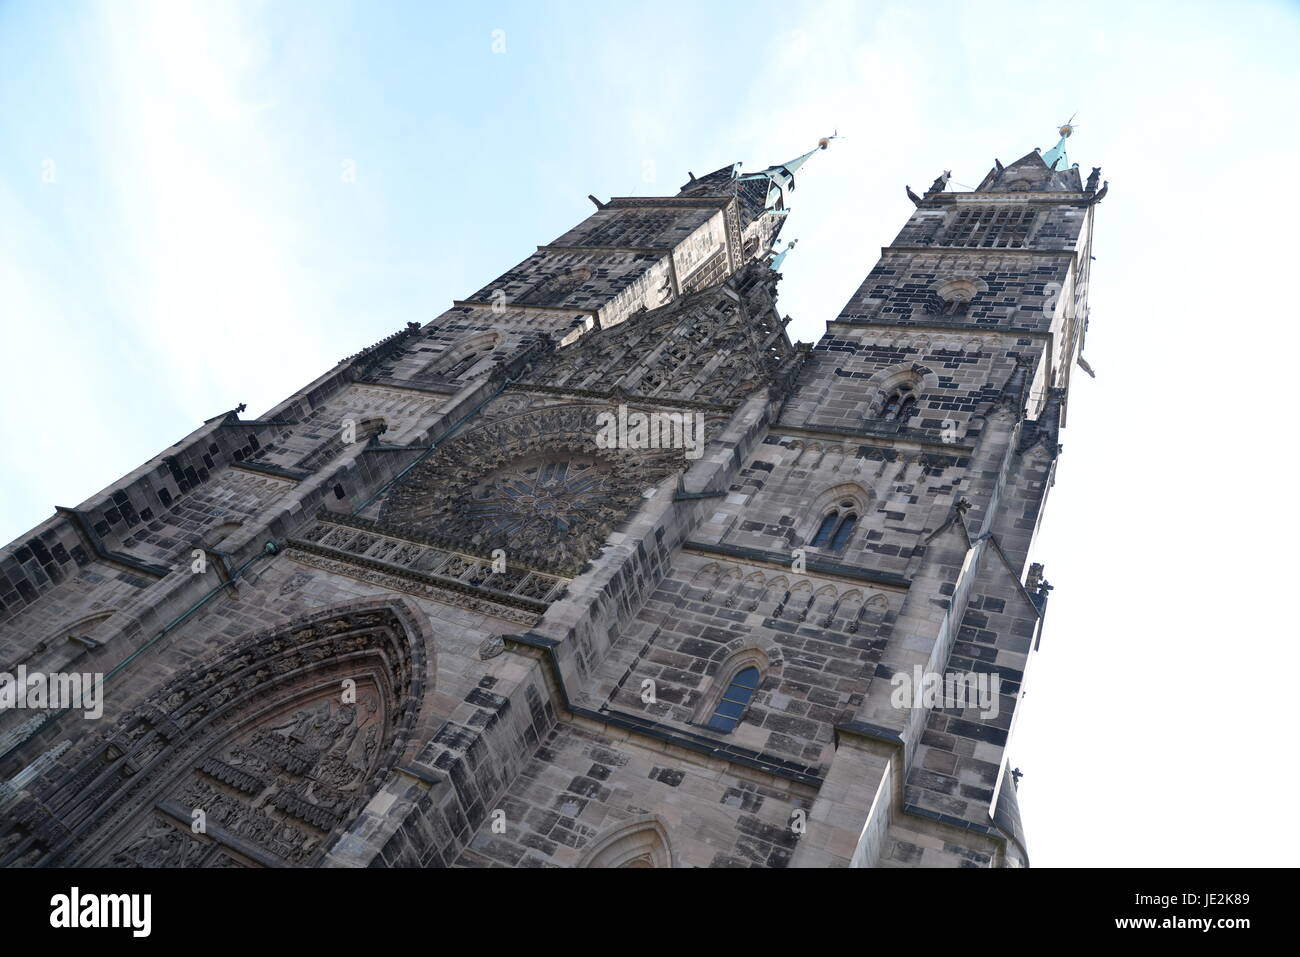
{"x": 533, "y": 484}
{"x": 491, "y": 647}
{"x": 279, "y": 742}
{"x": 713, "y": 347}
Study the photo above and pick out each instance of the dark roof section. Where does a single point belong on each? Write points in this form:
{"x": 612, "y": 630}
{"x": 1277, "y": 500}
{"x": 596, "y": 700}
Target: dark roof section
{"x": 751, "y": 193}
{"x": 1030, "y": 173}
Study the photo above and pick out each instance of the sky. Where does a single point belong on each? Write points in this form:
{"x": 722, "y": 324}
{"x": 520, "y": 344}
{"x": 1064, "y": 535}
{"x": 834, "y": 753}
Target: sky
{"x": 203, "y": 204}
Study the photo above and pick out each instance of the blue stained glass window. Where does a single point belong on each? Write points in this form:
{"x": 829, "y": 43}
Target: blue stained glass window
{"x": 844, "y": 532}
{"x": 735, "y": 700}
{"x": 825, "y": 529}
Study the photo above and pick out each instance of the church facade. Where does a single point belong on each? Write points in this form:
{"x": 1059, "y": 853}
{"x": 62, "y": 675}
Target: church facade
{"x": 596, "y": 569}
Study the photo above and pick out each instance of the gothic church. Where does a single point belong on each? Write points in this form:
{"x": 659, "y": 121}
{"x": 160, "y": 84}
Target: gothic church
{"x": 415, "y": 616}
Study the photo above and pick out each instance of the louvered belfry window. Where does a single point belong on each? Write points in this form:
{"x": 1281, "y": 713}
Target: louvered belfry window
{"x": 989, "y": 227}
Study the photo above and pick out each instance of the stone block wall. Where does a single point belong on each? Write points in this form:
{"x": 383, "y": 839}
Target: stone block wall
{"x": 546, "y": 716}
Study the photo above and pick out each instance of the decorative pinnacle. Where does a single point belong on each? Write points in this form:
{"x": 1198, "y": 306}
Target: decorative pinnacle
{"x": 1055, "y": 157}
{"x": 779, "y": 258}
{"x": 781, "y": 178}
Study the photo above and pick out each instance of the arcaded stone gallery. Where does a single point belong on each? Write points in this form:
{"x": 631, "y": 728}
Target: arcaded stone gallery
{"x": 435, "y": 609}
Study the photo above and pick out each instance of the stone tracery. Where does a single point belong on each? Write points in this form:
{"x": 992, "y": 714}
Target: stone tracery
{"x": 533, "y": 484}
{"x": 279, "y": 743}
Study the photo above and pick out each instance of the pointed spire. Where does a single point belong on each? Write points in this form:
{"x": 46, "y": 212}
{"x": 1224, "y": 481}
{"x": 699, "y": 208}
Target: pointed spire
{"x": 1055, "y": 158}
{"x": 779, "y": 258}
{"x": 781, "y": 178}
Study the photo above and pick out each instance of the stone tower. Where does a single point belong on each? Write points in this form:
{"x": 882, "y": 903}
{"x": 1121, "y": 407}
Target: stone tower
{"x": 597, "y": 568}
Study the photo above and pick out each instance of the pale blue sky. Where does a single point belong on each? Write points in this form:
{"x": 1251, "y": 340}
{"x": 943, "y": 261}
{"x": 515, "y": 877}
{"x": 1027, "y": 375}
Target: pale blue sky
{"x": 176, "y": 237}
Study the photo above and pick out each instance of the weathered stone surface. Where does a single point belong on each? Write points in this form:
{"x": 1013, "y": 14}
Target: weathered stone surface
{"x": 416, "y": 616}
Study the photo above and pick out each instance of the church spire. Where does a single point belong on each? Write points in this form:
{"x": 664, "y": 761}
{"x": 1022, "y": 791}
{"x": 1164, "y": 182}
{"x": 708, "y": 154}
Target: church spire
{"x": 781, "y": 178}
{"x": 1055, "y": 158}
{"x": 779, "y": 258}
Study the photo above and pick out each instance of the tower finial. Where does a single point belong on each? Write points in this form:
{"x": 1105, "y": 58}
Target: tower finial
{"x": 1055, "y": 157}
{"x": 779, "y": 258}
{"x": 781, "y": 178}
{"x": 825, "y": 141}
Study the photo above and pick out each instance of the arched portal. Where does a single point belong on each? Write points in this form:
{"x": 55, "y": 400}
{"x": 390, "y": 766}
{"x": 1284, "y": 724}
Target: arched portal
{"x": 636, "y": 844}
{"x": 261, "y": 758}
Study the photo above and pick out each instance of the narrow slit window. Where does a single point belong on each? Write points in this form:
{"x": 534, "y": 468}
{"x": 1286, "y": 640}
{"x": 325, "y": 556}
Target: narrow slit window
{"x": 826, "y": 529}
{"x": 464, "y": 365}
{"x": 844, "y": 532}
{"x": 899, "y": 406}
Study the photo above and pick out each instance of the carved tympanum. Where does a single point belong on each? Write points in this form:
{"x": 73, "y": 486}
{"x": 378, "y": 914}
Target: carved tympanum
{"x": 260, "y": 758}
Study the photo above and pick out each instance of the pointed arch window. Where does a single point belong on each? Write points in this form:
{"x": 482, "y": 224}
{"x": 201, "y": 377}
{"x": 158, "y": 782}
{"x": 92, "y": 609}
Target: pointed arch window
{"x": 457, "y": 368}
{"x": 465, "y": 363}
{"x": 636, "y": 845}
{"x": 836, "y": 528}
{"x": 900, "y": 405}
{"x": 826, "y": 529}
{"x": 844, "y": 532}
{"x": 462, "y": 359}
{"x": 735, "y": 700}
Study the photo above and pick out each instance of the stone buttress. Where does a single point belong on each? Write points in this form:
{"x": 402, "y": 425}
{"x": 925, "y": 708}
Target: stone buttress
{"x": 417, "y": 615}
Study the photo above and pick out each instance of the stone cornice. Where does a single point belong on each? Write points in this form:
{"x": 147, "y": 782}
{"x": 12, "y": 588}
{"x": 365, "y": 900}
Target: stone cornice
{"x": 406, "y": 385}
{"x": 274, "y": 471}
{"x": 432, "y": 541}
{"x": 438, "y": 581}
{"x": 1019, "y": 197}
{"x": 87, "y": 534}
{"x": 626, "y": 398}
{"x": 964, "y": 327}
{"x": 668, "y": 202}
{"x": 814, "y": 564}
{"x": 578, "y": 247}
{"x": 831, "y": 433}
{"x": 520, "y": 306}
{"x": 985, "y": 251}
